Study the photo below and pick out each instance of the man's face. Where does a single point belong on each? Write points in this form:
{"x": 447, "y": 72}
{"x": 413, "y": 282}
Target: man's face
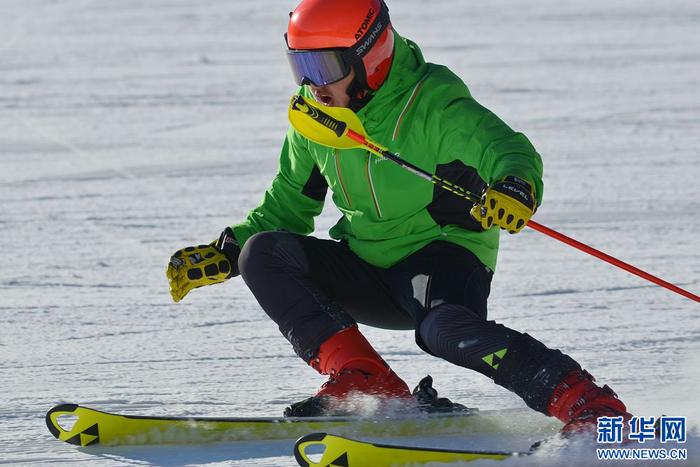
{"x": 334, "y": 94}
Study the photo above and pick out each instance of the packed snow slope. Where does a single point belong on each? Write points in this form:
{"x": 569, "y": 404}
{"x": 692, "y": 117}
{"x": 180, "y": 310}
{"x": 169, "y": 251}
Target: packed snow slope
{"x": 129, "y": 129}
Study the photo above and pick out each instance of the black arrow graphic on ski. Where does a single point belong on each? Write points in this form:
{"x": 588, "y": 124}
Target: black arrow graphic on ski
{"x": 341, "y": 461}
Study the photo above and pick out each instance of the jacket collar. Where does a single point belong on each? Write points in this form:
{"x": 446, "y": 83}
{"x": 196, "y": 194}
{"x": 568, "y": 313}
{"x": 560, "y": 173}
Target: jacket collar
{"x": 407, "y": 69}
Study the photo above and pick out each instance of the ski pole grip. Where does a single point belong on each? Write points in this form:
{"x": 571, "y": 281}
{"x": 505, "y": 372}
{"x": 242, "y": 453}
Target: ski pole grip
{"x": 319, "y": 116}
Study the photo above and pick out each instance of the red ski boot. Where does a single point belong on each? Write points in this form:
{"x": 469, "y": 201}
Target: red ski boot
{"x": 354, "y": 367}
{"x": 578, "y": 402}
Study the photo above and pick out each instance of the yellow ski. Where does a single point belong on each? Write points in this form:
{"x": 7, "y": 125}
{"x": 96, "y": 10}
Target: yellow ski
{"x": 92, "y": 427}
{"x": 344, "y": 452}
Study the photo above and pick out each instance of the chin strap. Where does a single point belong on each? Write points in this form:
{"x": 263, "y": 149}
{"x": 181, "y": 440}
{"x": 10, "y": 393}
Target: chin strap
{"x": 359, "y": 94}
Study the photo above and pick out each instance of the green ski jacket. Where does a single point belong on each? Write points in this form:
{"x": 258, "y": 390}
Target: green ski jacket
{"x": 424, "y": 113}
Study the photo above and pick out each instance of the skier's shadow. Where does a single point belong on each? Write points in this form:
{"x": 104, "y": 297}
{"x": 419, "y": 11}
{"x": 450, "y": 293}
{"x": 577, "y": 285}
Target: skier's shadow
{"x": 196, "y": 454}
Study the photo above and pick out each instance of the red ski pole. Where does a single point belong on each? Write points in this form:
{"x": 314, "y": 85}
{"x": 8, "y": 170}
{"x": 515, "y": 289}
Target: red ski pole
{"x": 607, "y": 258}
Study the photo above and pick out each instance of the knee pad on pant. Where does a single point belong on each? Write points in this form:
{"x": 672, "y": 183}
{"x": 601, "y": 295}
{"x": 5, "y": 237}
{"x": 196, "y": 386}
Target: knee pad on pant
{"x": 460, "y": 336}
{"x": 270, "y": 250}
{"x": 443, "y": 325}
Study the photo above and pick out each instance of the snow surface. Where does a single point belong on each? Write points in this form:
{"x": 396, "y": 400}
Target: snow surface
{"x": 129, "y": 129}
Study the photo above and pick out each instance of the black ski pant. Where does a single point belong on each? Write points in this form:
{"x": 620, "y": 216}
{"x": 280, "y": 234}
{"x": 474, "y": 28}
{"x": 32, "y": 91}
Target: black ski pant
{"x": 314, "y": 288}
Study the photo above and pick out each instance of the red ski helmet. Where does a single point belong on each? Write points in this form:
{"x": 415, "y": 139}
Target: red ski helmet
{"x": 326, "y": 38}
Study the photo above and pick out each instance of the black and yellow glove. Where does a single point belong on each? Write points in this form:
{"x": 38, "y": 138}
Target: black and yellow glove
{"x": 197, "y": 266}
{"x": 509, "y": 204}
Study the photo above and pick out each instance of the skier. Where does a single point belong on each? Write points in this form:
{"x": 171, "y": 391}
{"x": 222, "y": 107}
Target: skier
{"x": 405, "y": 254}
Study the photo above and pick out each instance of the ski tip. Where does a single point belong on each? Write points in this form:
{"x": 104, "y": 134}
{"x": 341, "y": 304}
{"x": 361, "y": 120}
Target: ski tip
{"x": 53, "y": 414}
{"x": 305, "y": 442}
{"x": 84, "y": 430}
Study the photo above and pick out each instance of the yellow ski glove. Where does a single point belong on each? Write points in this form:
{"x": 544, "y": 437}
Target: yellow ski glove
{"x": 197, "y": 266}
{"x": 509, "y": 204}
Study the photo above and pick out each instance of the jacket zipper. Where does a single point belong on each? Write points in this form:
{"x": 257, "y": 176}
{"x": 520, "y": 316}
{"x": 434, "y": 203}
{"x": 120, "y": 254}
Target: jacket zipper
{"x": 368, "y": 171}
{"x": 336, "y": 155}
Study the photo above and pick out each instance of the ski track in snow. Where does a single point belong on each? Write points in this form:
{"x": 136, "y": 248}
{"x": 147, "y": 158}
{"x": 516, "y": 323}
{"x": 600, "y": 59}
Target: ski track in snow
{"x": 131, "y": 129}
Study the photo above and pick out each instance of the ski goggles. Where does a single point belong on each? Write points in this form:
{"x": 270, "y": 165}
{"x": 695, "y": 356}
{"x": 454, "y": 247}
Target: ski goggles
{"x": 319, "y": 67}
{"x": 326, "y": 66}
